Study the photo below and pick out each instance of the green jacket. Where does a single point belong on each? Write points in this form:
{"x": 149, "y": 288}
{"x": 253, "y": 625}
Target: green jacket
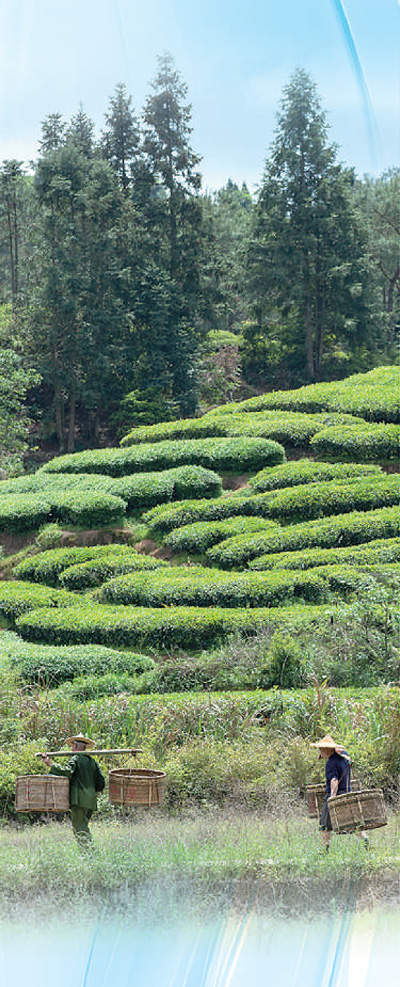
{"x": 85, "y": 777}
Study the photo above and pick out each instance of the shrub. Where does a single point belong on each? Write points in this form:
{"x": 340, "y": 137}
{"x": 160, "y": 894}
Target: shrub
{"x": 198, "y": 537}
{"x": 373, "y": 396}
{"x": 86, "y": 508}
{"x": 174, "y": 484}
{"x": 98, "y": 571}
{"x": 49, "y": 665}
{"x": 47, "y": 566}
{"x": 343, "y": 529}
{"x": 16, "y": 598}
{"x": 314, "y": 500}
{"x": 307, "y": 471}
{"x": 163, "y": 628}
{"x": 285, "y": 666}
{"x": 380, "y": 550}
{"x": 362, "y": 442}
{"x": 203, "y": 588}
{"x": 240, "y": 455}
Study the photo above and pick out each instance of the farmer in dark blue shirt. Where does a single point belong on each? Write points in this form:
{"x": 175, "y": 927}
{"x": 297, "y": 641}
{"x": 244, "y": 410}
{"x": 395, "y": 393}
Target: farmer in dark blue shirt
{"x": 337, "y": 776}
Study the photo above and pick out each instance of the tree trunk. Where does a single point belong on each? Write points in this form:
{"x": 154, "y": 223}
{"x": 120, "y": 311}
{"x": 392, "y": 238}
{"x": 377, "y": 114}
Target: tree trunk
{"x": 72, "y": 418}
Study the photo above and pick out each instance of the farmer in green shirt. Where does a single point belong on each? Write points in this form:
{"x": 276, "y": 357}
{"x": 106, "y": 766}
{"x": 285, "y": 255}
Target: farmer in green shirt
{"x": 86, "y": 780}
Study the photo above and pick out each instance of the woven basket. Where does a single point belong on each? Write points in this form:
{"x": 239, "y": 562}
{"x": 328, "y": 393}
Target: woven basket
{"x": 316, "y": 794}
{"x": 41, "y": 793}
{"x": 358, "y": 810}
{"x": 136, "y": 786}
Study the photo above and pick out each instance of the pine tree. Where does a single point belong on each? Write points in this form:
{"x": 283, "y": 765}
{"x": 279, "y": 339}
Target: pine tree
{"x": 306, "y": 253}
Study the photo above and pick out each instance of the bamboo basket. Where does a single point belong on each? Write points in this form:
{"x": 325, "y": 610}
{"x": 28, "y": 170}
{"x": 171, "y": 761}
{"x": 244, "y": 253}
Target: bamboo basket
{"x": 41, "y": 793}
{"x": 136, "y": 786}
{"x": 357, "y": 810}
{"x": 316, "y": 794}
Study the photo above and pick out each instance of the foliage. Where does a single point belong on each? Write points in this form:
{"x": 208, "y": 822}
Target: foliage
{"x": 362, "y": 442}
{"x": 46, "y": 567}
{"x": 344, "y": 529}
{"x": 16, "y": 377}
{"x": 18, "y": 597}
{"x": 378, "y": 550}
{"x": 373, "y": 396}
{"x": 308, "y": 471}
{"x": 200, "y": 535}
{"x": 49, "y": 666}
{"x": 247, "y": 454}
{"x": 202, "y": 588}
{"x": 161, "y": 628}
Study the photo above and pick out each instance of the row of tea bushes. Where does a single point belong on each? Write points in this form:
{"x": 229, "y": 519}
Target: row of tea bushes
{"x": 201, "y": 535}
{"x": 199, "y": 587}
{"x": 17, "y": 597}
{"x": 90, "y": 574}
{"x": 83, "y": 508}
{"x": 240, "y": 455}
{"x": 363, "y": 442}
{"x": 48, "y": 665}
{"x": 301, "y": 471}
{"x": 309, "y": 500}
{"x": 373, "y": 396}
{"x": 343, "y": 529}
{"x": 162, "y": 628}
{"x": 371, "y": 553}
{"x": 87, "y": 500}
{"x": 313, "y": 500}
{"x": 137, "y": 491}
{"x": 290, "y": 428}
{"x": 46, "y": 567}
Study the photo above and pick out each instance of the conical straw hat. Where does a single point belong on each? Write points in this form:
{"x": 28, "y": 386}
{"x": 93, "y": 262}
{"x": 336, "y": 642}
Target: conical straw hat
{"x": 79, "y": 738}
{"x": 326, "y": 743}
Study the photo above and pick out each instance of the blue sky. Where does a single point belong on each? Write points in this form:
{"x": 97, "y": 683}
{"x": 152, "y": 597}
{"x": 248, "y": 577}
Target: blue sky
{"x": 234, "y": 56}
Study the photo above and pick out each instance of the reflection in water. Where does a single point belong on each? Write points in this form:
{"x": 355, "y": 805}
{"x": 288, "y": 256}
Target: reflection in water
{"x": 236, "y": 945}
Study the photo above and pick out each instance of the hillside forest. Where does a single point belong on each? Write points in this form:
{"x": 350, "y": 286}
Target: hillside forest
{"x": 131, "y": 296}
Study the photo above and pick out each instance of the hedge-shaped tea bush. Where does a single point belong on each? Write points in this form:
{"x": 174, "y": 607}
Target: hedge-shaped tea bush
{"x": 174, "y": 484}
{"x": 169, "y": 516}
{"x": 84, "y": 508}
{"x": 314, "y": 500}
{"x": 46, "y": 567}
{"x": 15, "y": 598}
{"x": 210, "y": 588}
{"x": 307, "y": 471}
{"x": 343, "y": 529}
{"x": 201, "y": 535}
{"x": 166, "y": 627}
{"x": 97, "y": 571}
{"x": 362, "y": 442}
{"x": 288, "y": 427}
{"x": 373, "y": 396}
{"x": 380, "y": 550}
{"x": 50, "y": 665}
{"x": 241, "y": 455}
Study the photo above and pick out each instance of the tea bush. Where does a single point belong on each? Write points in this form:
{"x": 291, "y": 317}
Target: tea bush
{"x": 379, "y": 550}
{"x": 342, "y": 529}
{"x": 49, "y": 665}
{"x": 211, "y": 588}
{"x": 314, "y": 500}
{"x": 373, "y": 396}
{"x": 17, "y": 597}
{"x": 308, "y": 471}
{"x": 100, "y": 570}
{"x": 240, "y": 455}
{"x": 198, "y": 537}
{"x": 186, "y": 627}
{"x": 86, "y": 508}
{"x": 360, "y": 442}
{"x": 46, "y": 567}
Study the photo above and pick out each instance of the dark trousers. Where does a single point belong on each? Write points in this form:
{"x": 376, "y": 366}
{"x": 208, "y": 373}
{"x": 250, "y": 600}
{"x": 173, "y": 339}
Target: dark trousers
{"x": 80, "y": 824}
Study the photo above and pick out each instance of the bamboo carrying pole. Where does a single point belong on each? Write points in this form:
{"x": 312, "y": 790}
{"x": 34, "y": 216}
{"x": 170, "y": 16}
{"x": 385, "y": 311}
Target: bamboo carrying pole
{"x": 116, "y": 750}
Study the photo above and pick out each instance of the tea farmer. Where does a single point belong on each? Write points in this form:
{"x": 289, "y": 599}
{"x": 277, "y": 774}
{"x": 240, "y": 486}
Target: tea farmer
{"x": 86, "y": 780}
{"x": 338, "y": 781}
